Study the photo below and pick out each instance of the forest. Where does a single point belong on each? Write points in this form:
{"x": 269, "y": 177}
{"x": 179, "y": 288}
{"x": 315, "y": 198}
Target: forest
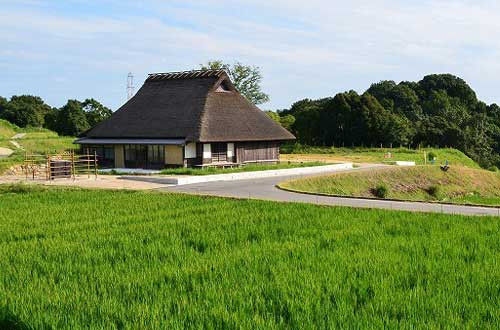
{"x": 441, "y": 110}
{"x": 72, "y": 119}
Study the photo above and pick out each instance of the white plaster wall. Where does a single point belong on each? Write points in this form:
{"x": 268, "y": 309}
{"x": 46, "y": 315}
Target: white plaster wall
{"x": 190, "y": 150}
{"x": 207, "y": 150}
{"x": 230, "y": 149}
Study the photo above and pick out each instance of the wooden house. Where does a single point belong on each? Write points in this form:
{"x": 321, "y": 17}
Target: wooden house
{"x": 191, "y": 118}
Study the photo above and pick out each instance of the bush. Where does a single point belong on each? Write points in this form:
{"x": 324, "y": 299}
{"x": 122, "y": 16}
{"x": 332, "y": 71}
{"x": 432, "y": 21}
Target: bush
{"x": 493, "y": 169}
{"x": 434, "y": 191}
{"x": 381, "y": 191}
{"x": 431, "y": 155}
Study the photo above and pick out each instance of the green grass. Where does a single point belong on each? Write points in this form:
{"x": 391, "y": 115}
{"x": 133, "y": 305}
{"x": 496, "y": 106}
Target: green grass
{"x": 246, "y": 168}
{"x": 36, "y": 141}
{"x": 75, "y": 259}
{"x": 375, "y": 155}
{"x": 7, "y": 130}
{"x": 420, "y": 183}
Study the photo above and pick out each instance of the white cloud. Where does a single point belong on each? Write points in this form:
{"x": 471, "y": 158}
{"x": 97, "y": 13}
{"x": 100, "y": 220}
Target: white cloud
{"x": 305, "y": 48}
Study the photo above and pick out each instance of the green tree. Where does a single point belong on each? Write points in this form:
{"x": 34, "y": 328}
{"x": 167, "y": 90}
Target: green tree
{"x": 274, "y": 116}
{"x": 71, "y": 119}
{"x": 398, "y": 98}
{"x": 26, "y": 110}
{"x": 95, "y": 112}
{"x": 247, "y": 79}
{"x": 287, "y": 121}
{"x": 3, "y": 105}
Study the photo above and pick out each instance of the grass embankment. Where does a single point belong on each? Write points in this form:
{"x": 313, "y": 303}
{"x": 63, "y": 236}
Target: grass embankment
{"x": 419, "y": 183}
{"x": 36, "y": 141}
{"x": 374, "y": 155}
{"x": 99, "y": 259}
{"x": 246, "y": 168}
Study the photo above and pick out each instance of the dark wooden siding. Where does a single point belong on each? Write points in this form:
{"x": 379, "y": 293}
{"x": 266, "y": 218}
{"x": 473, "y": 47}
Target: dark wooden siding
{"x": 257, "y": 151}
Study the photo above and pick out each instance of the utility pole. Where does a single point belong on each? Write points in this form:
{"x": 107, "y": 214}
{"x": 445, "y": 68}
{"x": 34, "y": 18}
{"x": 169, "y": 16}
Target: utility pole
{"x": 130, "y": 85}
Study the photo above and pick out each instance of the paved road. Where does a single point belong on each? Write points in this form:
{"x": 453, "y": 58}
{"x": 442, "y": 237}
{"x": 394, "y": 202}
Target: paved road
{"x": 265, "y": 188}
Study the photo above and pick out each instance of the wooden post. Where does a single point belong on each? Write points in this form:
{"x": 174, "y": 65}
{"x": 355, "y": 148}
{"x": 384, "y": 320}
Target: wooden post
{"x": 73, "y": 164}
{"x": 26, "y": 164}
{"x": 88, "y": 162}
{"x": 95, "y": 163}
{"x": 48, "y": 168}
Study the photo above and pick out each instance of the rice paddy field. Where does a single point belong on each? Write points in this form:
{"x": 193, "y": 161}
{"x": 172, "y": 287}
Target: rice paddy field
{"x": 86, "y": 259}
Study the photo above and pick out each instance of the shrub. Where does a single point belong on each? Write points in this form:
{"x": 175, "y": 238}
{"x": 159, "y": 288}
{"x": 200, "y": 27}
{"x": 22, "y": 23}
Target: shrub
{"x": 431, "y": 155}
{"x": 381, "y": 191}
{"x": 434, "y": 191}
{"x": 493, "y": 169}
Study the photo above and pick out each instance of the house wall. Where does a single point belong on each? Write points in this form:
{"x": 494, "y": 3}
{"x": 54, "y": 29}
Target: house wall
{"x": 119, "y": 156}
{"x": 257, "y": 151}
{"x": 174, "y": 155}
{"x": 193, "y": 154}
{"x": 207, "y": 153}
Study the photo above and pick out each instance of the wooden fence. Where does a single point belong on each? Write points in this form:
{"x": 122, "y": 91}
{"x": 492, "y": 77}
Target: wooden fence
{"x": 60, "y": 165}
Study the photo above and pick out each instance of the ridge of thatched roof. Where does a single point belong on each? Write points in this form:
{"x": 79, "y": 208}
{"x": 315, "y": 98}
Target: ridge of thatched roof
{"x": 190, "y": 105}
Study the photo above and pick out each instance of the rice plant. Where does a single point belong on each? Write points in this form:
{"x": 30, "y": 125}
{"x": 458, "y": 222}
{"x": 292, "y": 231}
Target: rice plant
{"x": 78, "y": 259}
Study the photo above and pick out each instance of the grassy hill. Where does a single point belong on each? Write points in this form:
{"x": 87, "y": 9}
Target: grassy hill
{"x": 419, "y": 183}
{"x": 374, "y": 155}
{"x": 78, "y": 259}
{"x": 36, "y": 140}
{"x": 7, "y": 130}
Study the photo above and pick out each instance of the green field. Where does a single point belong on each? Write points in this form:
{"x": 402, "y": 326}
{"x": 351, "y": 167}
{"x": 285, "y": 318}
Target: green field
{"x": 76, "y": 259}
{"x": 375, "y": 155}
{"x": 246, "y": 168}
{"x": 420, "y": 183}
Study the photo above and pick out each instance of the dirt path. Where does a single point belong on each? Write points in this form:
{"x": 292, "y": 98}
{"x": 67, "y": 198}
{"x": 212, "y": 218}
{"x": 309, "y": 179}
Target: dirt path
{"x": 18, "y": 136}
{"x": 5, "y": 152}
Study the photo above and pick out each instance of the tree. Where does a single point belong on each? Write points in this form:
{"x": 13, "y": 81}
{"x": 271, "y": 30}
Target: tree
{"x": 71, "y": 119}
{"x": 3, "y": 105}
{"x": 285, "y": 121}
{"x": 453, "y": 86}
{"x": 26, "y": 111}
{"x": 95, "y": 112}
{"x": 247, "y": 79}
{"x": 399, "y": 98}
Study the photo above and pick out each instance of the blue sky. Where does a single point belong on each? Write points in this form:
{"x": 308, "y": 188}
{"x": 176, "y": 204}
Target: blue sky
{"x": 305, "y": 49}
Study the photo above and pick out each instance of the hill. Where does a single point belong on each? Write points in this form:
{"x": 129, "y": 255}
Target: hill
{"x": 33, "y": 140}
{"x": 7, "y": 130}
{"x": 419, "y": 183}
{"x": 297, "y": 152}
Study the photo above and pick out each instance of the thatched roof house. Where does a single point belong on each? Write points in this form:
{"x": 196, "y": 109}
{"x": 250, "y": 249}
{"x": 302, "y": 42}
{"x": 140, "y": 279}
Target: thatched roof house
{"x": 186, "y": 119}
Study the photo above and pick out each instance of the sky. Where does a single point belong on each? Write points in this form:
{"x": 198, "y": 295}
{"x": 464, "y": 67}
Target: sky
{"x": 78, "y": 49}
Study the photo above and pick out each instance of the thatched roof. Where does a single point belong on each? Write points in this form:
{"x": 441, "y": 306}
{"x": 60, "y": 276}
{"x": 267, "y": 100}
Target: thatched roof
{"x": 200, "y": 105}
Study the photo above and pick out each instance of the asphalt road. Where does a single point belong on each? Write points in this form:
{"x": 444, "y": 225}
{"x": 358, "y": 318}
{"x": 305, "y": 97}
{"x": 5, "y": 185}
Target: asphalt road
{"x": 265, "y": 189}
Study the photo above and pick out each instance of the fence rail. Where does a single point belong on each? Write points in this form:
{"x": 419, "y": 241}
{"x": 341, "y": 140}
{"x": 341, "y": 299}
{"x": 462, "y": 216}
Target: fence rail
{"x": 60, "y": 165}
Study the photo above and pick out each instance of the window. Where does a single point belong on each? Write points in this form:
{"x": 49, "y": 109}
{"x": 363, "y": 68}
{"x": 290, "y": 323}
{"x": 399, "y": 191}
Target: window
{"x": 144, "y": 156}
{"x": 223, "y": 87}
{"x": 156, "y": 154}
{"x": 105, "y": 154}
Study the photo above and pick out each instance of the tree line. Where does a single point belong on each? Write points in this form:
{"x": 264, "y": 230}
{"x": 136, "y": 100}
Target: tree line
{"x": 72, "y": 119}
{"x": 441, "y": 110}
